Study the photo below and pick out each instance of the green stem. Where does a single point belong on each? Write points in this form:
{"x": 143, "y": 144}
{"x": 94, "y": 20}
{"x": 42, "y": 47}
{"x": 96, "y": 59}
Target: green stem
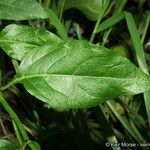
{"x": 99, "y": 20}
{"x": 3, "y": 127}
{"x": 17, "y": 120}
{"x": 62, "y": 9}
{"x": 15, "y": 64}
{"x": 20, "y": 140}
{"x": 95, "y": 28}
{"x": 145, "y": 29}
{"x": 105, "y": 37}
{"x": 8, "y": 85}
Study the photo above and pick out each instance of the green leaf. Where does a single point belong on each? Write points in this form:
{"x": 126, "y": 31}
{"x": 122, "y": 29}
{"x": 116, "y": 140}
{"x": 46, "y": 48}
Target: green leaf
{"x": 120, "y": 49}
{"x": 77, "y": 74}
{"x": 18, "y": 40}
{"x": 110, "y": 22}
{"x": 91, "y": 8}
{"x": 21, "y": 10}
{"x": 119, "y": 5}
{"x": 36, "y": 145}
{"x": 6, "y": 145}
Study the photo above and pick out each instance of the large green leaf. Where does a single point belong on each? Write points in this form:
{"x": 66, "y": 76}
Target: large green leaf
{"x": 21, "y": 10}
{"x": 77, "y": 74}
{"x": 6, "y": 145}
{"x": 91, "y": 8}
{"x": 17, "y": 40}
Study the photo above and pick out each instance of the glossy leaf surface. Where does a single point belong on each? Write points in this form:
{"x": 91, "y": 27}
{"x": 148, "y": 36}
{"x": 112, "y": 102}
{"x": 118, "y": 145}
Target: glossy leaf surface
{"x": 91, "y": 8}
{"x": 21, "y": 10}
{"x": 17, "y": 40}
{"x": 77, "y": 74}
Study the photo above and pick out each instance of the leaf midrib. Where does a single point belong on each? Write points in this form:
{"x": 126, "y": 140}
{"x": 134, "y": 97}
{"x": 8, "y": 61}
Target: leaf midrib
{"x": 18, "y": 79}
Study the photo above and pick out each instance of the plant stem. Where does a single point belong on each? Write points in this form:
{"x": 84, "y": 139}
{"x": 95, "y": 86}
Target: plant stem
{"x": 20, "y": 140}
{"x": 62, "y": 9}
{"x": 3, "y": 127}
{"x": 17, "y": 120}
{"x": 15, "y": 64}
{"x": 105, "y": 37}
{"x": 140, "y": 56}
{"x": 95, "y": 28}
{"x": 7, "y": 85}
{"x": 145, "y": 29}
{"x": 105, "y": 6}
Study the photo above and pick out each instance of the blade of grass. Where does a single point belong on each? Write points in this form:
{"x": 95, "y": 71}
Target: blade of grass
{"x": 126, "y": 123}
{"x": 119, "y": 5}
{"x": 77, "y": 27}
{"x": 20, "y": 140}
{"x": 17, "y": 121}
{"x": 108, "y": 132}
{"x": 137, "y": 131}
{"x": 136, "y": 42}
{"x": 145, "y": 28}
{"x": 62, "y": 9}
{"x": 67, "y": 25}
{"x": 133, "y": 115}
{"x": 110, "y": 22}
{"x": 106, "y": 4}
{"x": 140, "y": 56}
{"x": 57, "y": 24}
{"x": 109, "y": 8}
{"x": 3, "y": 127}
{"x": 105, "y": 36}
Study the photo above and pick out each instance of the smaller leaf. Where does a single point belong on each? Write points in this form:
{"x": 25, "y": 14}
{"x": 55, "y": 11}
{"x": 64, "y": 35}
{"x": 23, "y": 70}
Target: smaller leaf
{"x": 91, "y": 8}
{"x": 36, "y": 145}
{"x": 120, "y": 49}
{"x": 110, "y": 22}
{"x": 21, "y": 10}
{"x": 6, "y": 145}
{"x": 17, "y": 40}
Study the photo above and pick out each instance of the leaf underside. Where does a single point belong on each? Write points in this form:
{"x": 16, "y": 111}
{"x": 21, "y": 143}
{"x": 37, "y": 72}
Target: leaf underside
{"x": 77, "y": 74}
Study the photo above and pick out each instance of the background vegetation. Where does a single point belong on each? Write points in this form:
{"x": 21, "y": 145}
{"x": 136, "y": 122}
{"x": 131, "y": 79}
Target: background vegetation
{"x": 124, "y": 119}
